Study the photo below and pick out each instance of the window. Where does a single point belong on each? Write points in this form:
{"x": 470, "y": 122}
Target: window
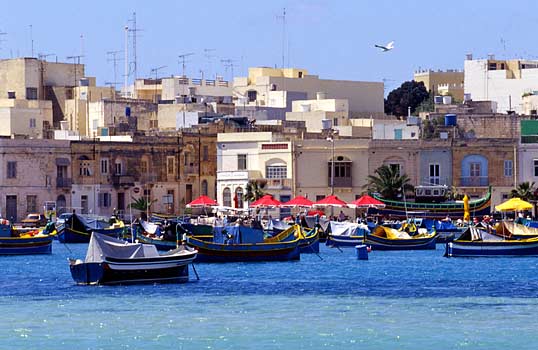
{"x": 32, "y": 123}
{"x": 205, "y": 153}
{"x": 335, "y": 121}
{"x": 342, "y": 172}
{"x": 276, "y": 172}
{"x": 397, "y": 134}
{"x": 238, "y": 197}
{"x": 434, "y": 174}
{"x": 508, "y": 168}
{"x": 31, "y": 204}
{"x": 319, "y": 197}
{"x": 84, "y": 169}
{"x": 170, "y": 165}
{"x": 204, "y": 187}
{"x": 11, "y": 170}
{"x": 11, "y": 95}
{"x": 31, "y": 93}
{"x": 105, "y": 200}
{"x": 104, "y": 166}
{"x": 252, "y": 95}
{"x": 474, "y": 170}
{"x": 143, "y": 167}
{"x": 118, "y": 168}
{"x": 186, "y": 158}
{"x": 227, "y": 197}
{"x": 241, "y": 162}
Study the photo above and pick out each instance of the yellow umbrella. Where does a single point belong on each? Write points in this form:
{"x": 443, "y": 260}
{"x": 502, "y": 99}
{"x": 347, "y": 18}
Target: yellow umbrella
{"x": 466, "y": 211}
{"x": 514, "y": 204}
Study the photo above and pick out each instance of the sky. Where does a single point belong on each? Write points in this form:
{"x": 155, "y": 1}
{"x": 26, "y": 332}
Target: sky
{"x": 332, "y": 39}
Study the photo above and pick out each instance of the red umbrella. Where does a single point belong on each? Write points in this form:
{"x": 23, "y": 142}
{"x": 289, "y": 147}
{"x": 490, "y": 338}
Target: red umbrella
{"x": 266, "y": 201}
{"x": 367, "y": 202}
{"x": 315, "y": 212}
{"x": 203, "y": 201}
{"x": 298, "y": 201}
{"x": 331, "y": 201}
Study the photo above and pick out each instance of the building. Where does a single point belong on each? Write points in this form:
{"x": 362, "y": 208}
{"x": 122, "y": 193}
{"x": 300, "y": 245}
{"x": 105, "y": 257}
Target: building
{"x": 28, "y": 118}
{"x": 264, "y": 157}
{"x": 449, "y": 82}
{"x": 187, "y": 90}
{"x": 33, "y": 172}
{"x": 320, "y": 113}
{"x": 275, "y": 87}
{"x": 502, "y": 81}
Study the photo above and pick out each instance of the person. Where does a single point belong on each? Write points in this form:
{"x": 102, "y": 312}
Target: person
{"x": 341, "y": 216}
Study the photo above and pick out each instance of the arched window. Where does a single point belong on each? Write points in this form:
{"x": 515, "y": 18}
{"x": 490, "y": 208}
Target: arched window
{"x": 474, "y": 171}
{"x": 204, "y": 187}
{"x": 227, "y": 197}
{"x": 84, "y": 166}
{"x": 238, "y": 199}
{"x": 276, "y": 169}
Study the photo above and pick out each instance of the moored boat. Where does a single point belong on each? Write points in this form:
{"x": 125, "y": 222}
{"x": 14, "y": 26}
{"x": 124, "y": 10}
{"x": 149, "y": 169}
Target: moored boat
{"x": 346, "y": 234}
{"x": 33, "y": 242}
{"x": 112, "y": 261}
{"x": 78, "y": 229}
{"x": 475, "y": 242}
{"x": 386, "y": 238}
{"x": 230, "y": 244}
{"x": 398, "y": 209}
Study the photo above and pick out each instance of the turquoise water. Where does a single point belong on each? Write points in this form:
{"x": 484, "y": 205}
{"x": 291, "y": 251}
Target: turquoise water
{"x": 395, "y": 300}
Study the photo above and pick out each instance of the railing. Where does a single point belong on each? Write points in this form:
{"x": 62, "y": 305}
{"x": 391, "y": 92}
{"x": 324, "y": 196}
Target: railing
{"x": 123, "y": 180}
{"x": 190, "y": 169}
{"x": 278, "y": 184}
{"x": 474, "y": 181}
{"x": 63, "y": 182}
{"x": 341, "y": 182}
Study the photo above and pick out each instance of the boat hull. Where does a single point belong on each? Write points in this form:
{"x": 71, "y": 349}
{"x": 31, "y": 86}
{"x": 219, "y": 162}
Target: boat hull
{"x": 130, "y": 271}
{"x": 25, "y": 245}
{"x": 344, "y": 241}
{"x": 68, "y": 235}
{"x": 485, "y": 249}
{"x": 379, "y": 243}
{"x": 216, "y": 252}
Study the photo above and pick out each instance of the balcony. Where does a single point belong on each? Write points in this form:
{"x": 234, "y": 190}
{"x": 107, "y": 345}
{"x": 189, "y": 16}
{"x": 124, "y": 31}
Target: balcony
{"x": 341, "y": 182}
{"x": 278, "y": 184}
{"x": 63, "y": 182}
{"x": 190, "y": 170}
{"x": 123, "y": 180}
{"x": 474, "y": 181}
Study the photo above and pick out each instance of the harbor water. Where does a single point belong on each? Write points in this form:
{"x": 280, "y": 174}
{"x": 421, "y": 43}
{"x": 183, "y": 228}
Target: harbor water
{"x": 394, "y": 300}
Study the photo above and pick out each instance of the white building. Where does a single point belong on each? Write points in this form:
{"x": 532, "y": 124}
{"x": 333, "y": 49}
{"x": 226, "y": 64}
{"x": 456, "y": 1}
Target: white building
{"x": 183, "y": 90}
{"x": 502, "y": 81}
{"x": 332, "y": 112}
{"x": 242, "y": 157}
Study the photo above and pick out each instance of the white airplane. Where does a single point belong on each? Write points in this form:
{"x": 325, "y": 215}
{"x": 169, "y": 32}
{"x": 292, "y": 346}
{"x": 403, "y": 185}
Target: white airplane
{"x": 387, "y": 47}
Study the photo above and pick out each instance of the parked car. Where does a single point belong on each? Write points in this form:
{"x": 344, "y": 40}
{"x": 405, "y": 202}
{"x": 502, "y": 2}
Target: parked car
{"x": 34, "y": 220}
{"x": 60, "y": 220}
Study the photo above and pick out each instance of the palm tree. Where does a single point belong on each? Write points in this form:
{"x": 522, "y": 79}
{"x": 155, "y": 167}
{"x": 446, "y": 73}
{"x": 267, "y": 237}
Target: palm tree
{"x": 141, "y": 203}
{"x": 388, "y": 182}
{"x": 254, "y": 190}
{"x": 525, "y": 190}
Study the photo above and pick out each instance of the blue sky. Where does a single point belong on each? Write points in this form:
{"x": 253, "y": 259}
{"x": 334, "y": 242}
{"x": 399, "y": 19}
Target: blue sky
{"x": 333, "y": 39}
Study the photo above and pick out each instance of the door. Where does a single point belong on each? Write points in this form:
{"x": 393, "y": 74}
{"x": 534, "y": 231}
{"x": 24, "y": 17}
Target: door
{"x": 188, "y": 193}
{"x": 121, "y": 202}
{"x": 285, "y": 211}
{"x": 84, "y": 204}
{"x": 11, "y": 208}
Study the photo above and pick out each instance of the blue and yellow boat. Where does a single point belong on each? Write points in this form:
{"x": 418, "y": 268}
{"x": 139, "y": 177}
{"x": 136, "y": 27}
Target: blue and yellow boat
{"x": 405, "y": 238}
{"x": 33, "y": 242}
{"x": 78, "y": 229}
{"x": 230, "y": 244}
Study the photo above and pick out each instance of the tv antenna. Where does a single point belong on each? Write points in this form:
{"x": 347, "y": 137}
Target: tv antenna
{"x": 2, "y": 39}
{"x": 31, "y": 40}
{"x": 229, "y": 63}
{"x": 156, "y": 71}
{"x": 43, "y": 56}
{"x": 114, "y": 59}
{"x": 134, "y": 32}
{"x": 283, "y": 18}
{"x": 209, "y": 57}
{"x": 183, "y": 61}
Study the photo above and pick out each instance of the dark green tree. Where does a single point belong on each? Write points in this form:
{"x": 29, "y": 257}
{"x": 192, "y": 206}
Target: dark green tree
{"x": 254, "y": 190}
{"x": 141, "y": 203}
{"x": 409, "y": 94}
{"x": 388, "y": 182}
{"x": 525, "y": 190}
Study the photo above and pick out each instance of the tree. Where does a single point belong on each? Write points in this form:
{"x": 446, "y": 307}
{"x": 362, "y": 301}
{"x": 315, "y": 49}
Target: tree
{"x": 254, "y": 190}
{"x": 409, "y": 94}
{"x": 141, "y": 203}
{"x": 388, "y": 182}
{"x": 525, "y": 190}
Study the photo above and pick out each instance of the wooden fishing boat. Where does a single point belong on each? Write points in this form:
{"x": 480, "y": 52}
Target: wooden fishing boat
{"x": 309, "y": 241}
{"x": 512, "y": 230}
{"x": 386, "y": 238}
{"x": 230, "y": 244}
{"x": 33, "y": 242}
{"x": 475, "y": 242}
{"x": 346, "y": 234}
{"x": 112, "y": 261}
{"x": 398, "y": 209}
{"x": 78, "y": 228}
